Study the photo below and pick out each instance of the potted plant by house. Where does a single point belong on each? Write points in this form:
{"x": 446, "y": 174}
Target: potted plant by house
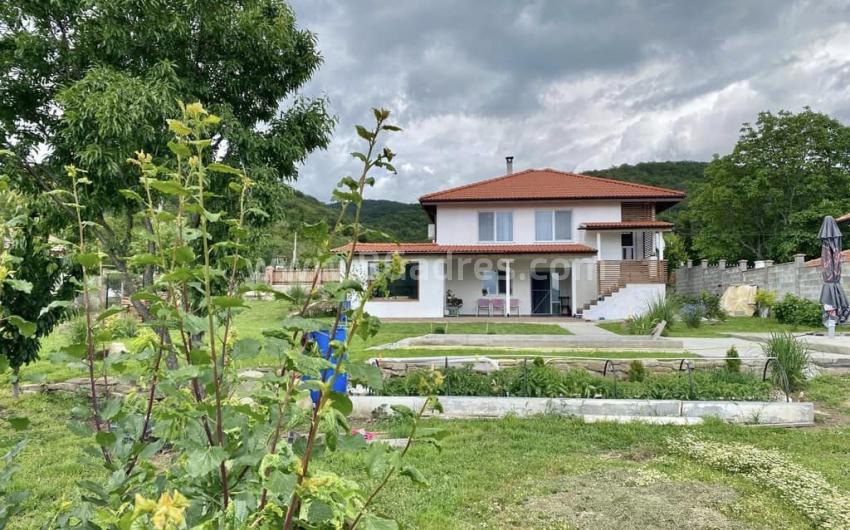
{"x": 453, "y": 304}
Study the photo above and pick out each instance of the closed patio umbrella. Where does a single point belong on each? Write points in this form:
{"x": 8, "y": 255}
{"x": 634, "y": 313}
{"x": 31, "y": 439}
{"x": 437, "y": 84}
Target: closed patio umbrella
{"x": 832, "y": 295}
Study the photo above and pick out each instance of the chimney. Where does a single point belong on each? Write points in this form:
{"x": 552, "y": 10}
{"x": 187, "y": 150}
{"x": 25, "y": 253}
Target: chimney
{"x": 509, "y": 162}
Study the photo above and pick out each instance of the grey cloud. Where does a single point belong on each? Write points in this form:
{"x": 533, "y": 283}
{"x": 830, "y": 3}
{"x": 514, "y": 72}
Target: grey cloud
{"x": 573, "y": 85}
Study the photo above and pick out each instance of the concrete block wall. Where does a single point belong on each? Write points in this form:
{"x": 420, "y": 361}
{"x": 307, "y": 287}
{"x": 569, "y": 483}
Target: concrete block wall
{"x": 796, "y": 277}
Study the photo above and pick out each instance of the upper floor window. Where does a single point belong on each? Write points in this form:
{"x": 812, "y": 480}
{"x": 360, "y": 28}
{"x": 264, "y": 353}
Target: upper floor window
{"x": 553, "y": 225}
{"x": 495, "y": 226}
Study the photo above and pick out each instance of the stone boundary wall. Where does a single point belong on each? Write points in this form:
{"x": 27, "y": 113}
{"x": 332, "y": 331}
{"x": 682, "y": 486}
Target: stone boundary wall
{"x": 797, "y": 277}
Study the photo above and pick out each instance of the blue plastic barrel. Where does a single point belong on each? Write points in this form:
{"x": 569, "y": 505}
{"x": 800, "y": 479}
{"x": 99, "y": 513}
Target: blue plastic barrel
{"x": 323, "y": 342}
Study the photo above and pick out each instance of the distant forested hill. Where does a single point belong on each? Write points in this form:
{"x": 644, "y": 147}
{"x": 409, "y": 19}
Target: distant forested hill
{"x": 408, "y": 222}
{"x": 676, "y": 175}
{"x": 400, "y": 221}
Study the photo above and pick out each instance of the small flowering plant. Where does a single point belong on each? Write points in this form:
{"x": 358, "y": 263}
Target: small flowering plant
{"x": 822, "y": 503}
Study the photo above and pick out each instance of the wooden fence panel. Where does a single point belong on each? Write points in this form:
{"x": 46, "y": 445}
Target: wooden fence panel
{"x": 280, "y": 276}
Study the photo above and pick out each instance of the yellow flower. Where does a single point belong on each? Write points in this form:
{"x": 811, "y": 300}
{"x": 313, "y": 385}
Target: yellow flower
{"x": 143, "y": 505}
{"x": 195, "y": 109}
{"x": 169, "y": 510}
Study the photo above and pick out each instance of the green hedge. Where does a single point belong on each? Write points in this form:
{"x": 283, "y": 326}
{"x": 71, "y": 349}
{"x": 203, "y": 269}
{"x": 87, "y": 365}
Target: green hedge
{"x": 544, "y": 381}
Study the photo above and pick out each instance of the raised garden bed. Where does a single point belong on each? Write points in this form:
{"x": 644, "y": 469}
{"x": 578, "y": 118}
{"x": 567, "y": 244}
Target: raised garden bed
{"x": 632, "y": 381}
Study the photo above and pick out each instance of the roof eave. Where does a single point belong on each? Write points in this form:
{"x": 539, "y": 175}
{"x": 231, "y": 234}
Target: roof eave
{"x": 663, "y": 198}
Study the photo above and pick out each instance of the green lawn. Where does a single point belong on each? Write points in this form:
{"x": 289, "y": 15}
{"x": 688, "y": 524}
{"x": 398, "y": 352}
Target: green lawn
{"x": 260, "y": 315}
{"x": 504, "y": 352}
{"x": 718, "y": 328}
{"x": 520, "y": 473}
{"x": 510, "y": 473}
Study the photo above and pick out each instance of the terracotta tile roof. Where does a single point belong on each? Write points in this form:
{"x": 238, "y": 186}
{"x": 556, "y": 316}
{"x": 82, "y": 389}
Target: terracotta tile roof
{"x": 625, "y": 225}
{"x": 433, "y": 248}
{"x": 550, "y": 184}
{"x": 845, "y": 257}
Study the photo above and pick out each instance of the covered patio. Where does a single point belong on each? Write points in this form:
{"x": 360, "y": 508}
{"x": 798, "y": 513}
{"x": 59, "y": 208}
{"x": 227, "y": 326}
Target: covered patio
{"x": 519, "y": 285}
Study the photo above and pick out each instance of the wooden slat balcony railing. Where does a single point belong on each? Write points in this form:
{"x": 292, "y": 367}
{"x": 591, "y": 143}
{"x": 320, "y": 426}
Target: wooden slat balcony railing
{"x": 614, "y": 274}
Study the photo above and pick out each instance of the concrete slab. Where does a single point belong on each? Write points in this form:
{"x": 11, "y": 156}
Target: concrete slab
{"x": 688, "y": 412}
{"x": 755, "y": 412}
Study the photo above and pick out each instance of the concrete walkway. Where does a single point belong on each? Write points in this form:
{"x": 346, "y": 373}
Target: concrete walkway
{"x": 587, "y": 329}
{"x": 832, "y": 353}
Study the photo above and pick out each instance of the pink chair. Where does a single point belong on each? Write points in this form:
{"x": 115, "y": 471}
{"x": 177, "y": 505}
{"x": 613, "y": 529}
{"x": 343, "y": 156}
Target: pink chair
{"x": 515, "y": 306}
{"x": 499, "y": 306}
{"x": 484, "y": 303}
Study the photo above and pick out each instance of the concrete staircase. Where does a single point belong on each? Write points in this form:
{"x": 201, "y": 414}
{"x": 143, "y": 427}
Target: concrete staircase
{"x": 623, "y": 302}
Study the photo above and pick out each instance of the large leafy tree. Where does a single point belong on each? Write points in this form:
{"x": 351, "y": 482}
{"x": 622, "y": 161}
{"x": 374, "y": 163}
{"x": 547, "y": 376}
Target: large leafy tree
{"x": 91, "y": 81}
{"x": 40, "y": 284}
{"x": 767, "y": 198}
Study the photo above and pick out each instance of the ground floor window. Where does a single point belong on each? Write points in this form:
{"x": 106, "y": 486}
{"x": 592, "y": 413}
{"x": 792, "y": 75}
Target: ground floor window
{"x": 494, "y": 282}
{"x": 627, "y": 241}
{"x": 404, "y": 287}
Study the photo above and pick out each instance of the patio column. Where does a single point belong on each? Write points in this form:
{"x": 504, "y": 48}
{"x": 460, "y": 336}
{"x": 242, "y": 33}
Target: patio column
{"x": 661, "y": 246}
{"x": 598, "y": 246}
{"x": 574, "y": 270}
{"x": 507, "y": 287}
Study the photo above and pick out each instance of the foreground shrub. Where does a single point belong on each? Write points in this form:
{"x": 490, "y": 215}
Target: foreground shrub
{"x": 663, "y": 309}
{"x": 798, "y": 311}
{"x": 659, "y": 309}
{"x": 637, "y": 372}
{"x": 78, "y": 330}
{"x": 733, "y": 360}
{"x": 711, "y": 306}
{"x": 692, "y": 315}
{"x": 640, "y": 325}
{"x": 823, "y": 504}
{"x": 121, "y": 326}
{"x": 792, "y": 354}
{"x": 297, "y": 295}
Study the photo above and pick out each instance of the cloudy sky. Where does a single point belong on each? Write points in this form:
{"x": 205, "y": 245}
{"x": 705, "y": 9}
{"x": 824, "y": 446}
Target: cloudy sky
{"x": 573, "y": 85}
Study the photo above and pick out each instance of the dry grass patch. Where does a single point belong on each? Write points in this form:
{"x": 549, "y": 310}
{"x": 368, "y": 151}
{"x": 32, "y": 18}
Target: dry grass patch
{"x": 624, "y": 499}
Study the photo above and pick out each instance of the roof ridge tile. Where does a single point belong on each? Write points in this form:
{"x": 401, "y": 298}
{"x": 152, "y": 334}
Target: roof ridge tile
{"x": 535, "y": 180}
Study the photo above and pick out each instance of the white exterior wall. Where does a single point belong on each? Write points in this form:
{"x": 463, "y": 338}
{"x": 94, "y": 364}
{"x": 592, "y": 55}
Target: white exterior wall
{"x": 586, "y": 285}
{"x": 607, "y": 242}
{"x": 457, "y": 224}
{"x": 432, "y": 288}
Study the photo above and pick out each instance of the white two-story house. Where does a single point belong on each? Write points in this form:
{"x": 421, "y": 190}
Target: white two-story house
{"x": 535, "y": 242}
